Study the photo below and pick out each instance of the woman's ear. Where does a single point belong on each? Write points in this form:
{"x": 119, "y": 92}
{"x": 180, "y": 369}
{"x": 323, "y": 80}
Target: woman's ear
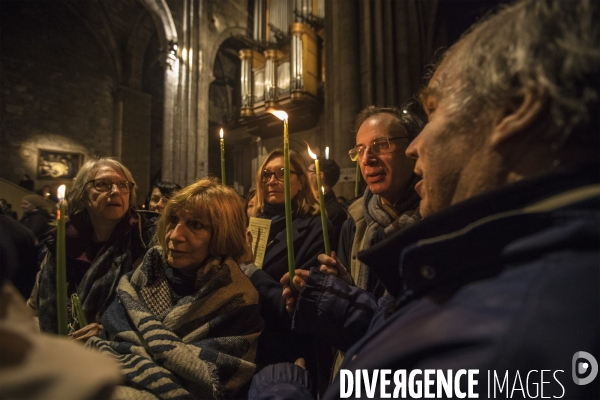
{"x": 517, "y": 117}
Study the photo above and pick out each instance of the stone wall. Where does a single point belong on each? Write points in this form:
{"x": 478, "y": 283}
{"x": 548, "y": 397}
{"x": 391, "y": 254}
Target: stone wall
{"x": 56, "y": 87}
{"x": 135, "y": 148}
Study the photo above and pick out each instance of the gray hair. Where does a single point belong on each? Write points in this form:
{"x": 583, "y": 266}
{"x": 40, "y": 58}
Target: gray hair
{"x": 77, "y": 196}
{"x": 405, "y": 118}
{"x": 550, "y": 47}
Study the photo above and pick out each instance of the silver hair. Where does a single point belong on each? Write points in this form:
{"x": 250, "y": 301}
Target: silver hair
{"x": 77, "y": 196}
{"x": 550, "y": 47}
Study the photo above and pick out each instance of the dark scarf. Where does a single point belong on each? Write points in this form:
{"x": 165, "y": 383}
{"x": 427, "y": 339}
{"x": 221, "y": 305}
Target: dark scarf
{"x": 201, "y": 345}
{"x": 93, "y": 276}
{"x": 382, "y": 221}
{"x": 276, "y": 213}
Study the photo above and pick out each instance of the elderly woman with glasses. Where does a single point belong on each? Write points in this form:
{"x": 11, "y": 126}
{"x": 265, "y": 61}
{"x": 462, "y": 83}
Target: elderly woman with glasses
{"x": 105, "y": 238}
{"x": 277, "y": 343}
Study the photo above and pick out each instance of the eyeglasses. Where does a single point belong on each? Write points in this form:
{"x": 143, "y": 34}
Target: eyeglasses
{"x": 266, "y": 175}
{"x": 378, "y": 146}
{"x": 102, "y": 185}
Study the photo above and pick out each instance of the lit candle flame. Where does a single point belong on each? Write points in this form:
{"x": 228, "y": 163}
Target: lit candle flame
{"x": 327, "y": 153}
{"x": 282, "y": 115}
{"x": 221, "y": 133}
{"x": 61, "y": 192}
{"x": 310, "y": 153}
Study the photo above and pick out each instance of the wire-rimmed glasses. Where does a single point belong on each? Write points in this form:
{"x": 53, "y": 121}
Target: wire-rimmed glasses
{"x": 380, "y": 145}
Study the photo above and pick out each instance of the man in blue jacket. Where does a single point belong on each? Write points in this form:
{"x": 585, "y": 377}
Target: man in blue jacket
{"x": 495, "y": 293}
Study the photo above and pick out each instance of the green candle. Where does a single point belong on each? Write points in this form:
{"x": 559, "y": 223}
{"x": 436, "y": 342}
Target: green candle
{"x": 78, "y": 310}
{"x": 357, "y": 179}
{"x": 282, "y": 115}
{"x": 321, "y": 202}
{"x": 222, "y": 158}
{"x": 61, "y": 265}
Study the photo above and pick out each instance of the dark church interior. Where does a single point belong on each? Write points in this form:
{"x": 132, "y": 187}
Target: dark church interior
{"x": 152, "y": 82}
{"x": 299, "y": 199}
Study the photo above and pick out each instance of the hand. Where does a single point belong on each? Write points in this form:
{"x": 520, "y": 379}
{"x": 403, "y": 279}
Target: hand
{"x": 333, "y": 266}
{"x": 248, "y": 257}
{"x": 93, "y": 329}
{"x": 290, "y": 294}
{"x": 301, "y": 363}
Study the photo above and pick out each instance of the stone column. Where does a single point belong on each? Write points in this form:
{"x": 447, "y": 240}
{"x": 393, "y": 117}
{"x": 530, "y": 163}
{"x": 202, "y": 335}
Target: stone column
{"x": 342, "y": 85}
{"x": 134, "y": 147}
{"x": 185, "y": 142}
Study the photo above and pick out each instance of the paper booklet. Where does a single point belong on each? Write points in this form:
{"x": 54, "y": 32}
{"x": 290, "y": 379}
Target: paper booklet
{"x": 260, "y": 228}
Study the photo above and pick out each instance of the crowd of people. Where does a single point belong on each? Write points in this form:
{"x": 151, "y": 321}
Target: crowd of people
{"x": 474, "y": 247}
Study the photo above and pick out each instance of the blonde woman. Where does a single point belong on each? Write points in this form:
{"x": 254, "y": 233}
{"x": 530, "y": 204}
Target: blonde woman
{"x": 269, "y": 203}
{"x": 278, "y": 344}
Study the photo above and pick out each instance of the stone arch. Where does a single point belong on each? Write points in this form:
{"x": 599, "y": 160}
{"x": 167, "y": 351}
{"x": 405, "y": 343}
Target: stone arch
{"x": 224, "y": 84}
{"x": 133, "y": 64}
{"x": 163, "y": 20}
{"x": 218, "y": 42}
{"x": 96, "y": 20}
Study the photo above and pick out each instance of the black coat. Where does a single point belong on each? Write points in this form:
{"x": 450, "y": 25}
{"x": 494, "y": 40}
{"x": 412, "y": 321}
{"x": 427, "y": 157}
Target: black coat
{"x": 337, "y": 214}
{"x": 308, "y": 244}
{"x": 18, "y": 261}
{"x": 38, "y": 221}
{"x": 277, "y": 343}
{"x": 504, "y": 282}
{"x": 9, "y": 212}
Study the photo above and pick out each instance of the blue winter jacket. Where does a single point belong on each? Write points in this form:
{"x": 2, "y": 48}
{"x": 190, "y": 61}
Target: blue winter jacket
{"x": 505, "y": 283}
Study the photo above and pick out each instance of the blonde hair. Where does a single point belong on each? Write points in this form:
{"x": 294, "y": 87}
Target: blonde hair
{"x": 77, "y": 196}
{"x": 220, "y": 207}
{"x": 305, "y": 198}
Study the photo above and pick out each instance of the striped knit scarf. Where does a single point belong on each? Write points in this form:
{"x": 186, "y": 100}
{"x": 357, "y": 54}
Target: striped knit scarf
{"x": 201, "y": 347}
{"x": 382, "y": 221}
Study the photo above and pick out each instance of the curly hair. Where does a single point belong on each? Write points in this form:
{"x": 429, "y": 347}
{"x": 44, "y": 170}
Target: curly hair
{"x": 548, "y": 47}
{"x": 407, "y": 121}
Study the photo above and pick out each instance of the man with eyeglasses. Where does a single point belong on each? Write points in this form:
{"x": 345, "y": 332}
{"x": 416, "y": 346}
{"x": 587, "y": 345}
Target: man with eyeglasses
{"x": 389, "y": 203}
{"x": 500, "y": 279}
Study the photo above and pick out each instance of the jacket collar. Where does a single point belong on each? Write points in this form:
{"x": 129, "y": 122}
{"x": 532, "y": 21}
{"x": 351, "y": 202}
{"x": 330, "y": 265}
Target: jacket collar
{"x": 466, "y": 233}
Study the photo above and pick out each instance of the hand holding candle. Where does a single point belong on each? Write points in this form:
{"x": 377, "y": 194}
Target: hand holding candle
{"x": 61, "y": 264}
{"x": 321, "y": 201}
{"x": 222, "y": 142}
{"x": 282, "y": 115}
{"x": 78, "y": 311}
